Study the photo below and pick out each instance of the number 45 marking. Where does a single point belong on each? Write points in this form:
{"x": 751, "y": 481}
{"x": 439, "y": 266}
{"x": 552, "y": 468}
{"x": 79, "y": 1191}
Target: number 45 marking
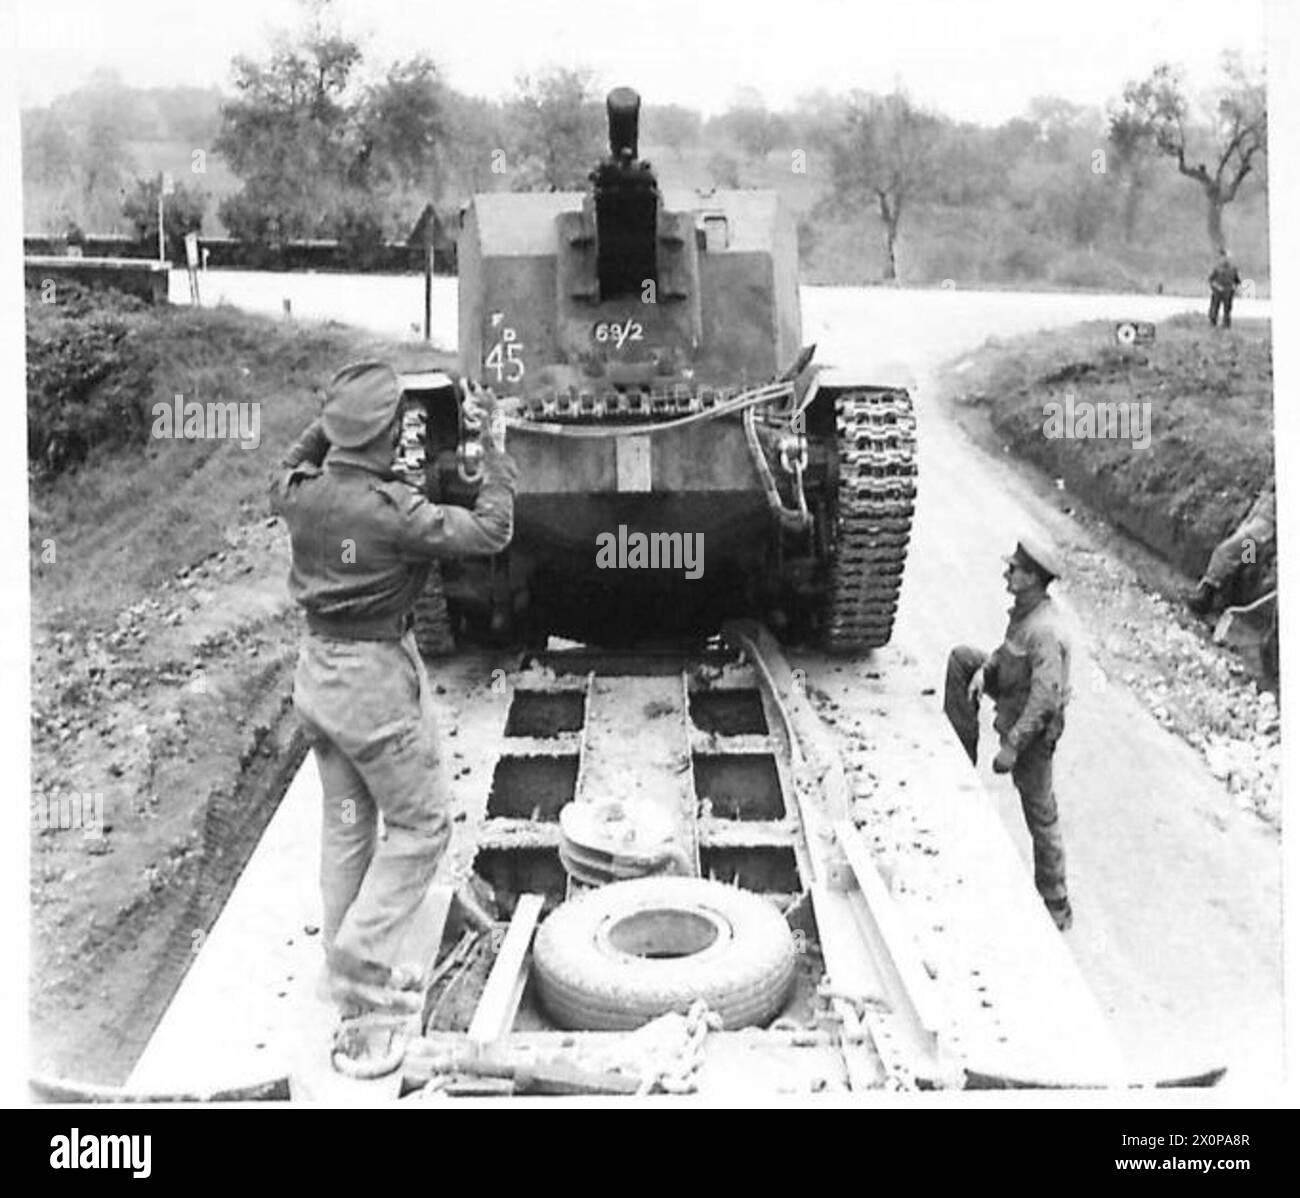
{"x": 506, "y": 358}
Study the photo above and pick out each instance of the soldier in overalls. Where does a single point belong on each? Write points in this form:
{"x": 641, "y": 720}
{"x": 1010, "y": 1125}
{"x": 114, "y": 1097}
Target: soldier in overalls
{"x": 363, "y": 542}
{"x": 1028, "y": 677}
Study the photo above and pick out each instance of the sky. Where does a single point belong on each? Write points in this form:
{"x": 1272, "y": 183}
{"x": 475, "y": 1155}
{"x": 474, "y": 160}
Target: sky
{"x": 979, "y": 60}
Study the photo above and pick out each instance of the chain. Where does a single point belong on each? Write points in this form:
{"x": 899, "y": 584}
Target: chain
{"x": 678, "y": 1073}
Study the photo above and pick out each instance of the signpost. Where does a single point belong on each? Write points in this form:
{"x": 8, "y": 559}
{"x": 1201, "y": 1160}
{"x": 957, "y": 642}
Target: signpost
{"x": 1135, "y": 332}
{"x": 425, "y": 234}
{"x": 192, "y": 267}
{"x": 428, "y": 287}
{"x": 167, "y": 187}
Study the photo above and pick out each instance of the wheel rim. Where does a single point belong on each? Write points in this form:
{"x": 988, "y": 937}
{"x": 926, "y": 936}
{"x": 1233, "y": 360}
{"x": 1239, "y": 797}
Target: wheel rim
{"x": 663, "y": 933}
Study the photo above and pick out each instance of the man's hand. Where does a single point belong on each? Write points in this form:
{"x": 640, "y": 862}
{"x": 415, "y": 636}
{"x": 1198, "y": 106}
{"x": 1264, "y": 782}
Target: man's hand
{"x": 484, "y": 412}
{"x": 1005, "y": 761}
{"x": 975, "y": 688}
{"x": 311, "y": 446}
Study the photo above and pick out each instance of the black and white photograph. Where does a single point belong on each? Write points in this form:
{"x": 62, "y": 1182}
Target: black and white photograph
{"x": 652, "y": 555}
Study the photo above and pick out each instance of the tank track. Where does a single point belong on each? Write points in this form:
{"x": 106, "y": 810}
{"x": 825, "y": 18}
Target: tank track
{"x": 875, "y": 495}
{"x": 433, "y": 635}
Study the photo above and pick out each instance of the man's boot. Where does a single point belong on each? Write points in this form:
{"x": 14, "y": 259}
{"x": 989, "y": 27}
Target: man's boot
{"x": 1202, "y": 600}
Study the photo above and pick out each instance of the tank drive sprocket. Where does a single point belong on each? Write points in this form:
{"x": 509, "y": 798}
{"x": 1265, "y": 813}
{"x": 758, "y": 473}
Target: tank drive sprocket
{"x": 874, "y": 498}
{"x": 433, "y": 634}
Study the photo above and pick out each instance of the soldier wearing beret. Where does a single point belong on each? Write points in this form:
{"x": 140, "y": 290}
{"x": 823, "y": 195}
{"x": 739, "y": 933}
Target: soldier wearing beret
{"x": 363, "y": 542}
{"x": 1028, "y": 677}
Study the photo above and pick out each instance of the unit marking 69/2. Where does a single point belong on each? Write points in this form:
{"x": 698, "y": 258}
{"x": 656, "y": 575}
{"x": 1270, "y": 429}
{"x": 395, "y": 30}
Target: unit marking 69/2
{"x": 619, "y": 334}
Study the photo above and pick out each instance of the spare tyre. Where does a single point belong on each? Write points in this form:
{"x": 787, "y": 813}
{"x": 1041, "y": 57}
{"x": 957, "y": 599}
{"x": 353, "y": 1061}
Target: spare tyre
{"x": 614, "y": 958}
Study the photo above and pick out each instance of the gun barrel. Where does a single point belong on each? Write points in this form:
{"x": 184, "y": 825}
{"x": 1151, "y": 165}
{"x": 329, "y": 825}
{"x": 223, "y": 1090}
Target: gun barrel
{"x": 623, "y": 107}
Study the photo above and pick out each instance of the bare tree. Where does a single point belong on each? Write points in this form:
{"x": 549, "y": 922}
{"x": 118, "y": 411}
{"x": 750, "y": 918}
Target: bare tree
{"x": 888, "y": 154}
{"x": 1158, "y": 111}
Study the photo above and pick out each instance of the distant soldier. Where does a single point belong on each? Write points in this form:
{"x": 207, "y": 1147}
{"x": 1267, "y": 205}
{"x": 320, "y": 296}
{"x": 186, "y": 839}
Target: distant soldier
{"x": 1224, "y": 281}
{"x": 1236, "y": 554}
{"x": 1028, "y": 677}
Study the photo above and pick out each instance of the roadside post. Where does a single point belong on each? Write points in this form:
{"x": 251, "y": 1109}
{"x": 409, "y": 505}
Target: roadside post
{"x": 192, "y": 267}
{"x": 425, "y": 233}
{"x": 428, "y": 284}
{"x": 167, "y": 187}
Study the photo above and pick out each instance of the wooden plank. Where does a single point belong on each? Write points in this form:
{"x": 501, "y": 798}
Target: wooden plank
{"x": 495, "y": 1013}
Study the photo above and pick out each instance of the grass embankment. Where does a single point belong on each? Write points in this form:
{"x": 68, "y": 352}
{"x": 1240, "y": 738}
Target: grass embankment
{"x": 1211, "y": 423}
{"x": 163, "y": 648}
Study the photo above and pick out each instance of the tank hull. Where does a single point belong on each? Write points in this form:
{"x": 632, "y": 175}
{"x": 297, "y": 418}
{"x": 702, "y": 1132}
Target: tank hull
{"x": 679, "y": 462}
{"x": 630, "y": 536}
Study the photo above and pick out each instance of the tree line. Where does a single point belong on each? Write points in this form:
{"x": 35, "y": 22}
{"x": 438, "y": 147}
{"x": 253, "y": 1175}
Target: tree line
{"x": 318, "y": 144}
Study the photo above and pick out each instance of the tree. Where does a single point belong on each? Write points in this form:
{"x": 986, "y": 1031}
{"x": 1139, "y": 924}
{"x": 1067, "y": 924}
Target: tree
{"x": 403, "y": 122}
{"x": 1131, "y": 153}
{"x": 724, "y": 170}
{"x": 973, "y": 171}
{"x": 1069, "y": 196}
{"x": 1066, "y": 201}
{"x": 291, "y": 133}
{"x": 182, "y": 213}
{"x": 555, "y": 121}
{"x": 49, "y": 153}
{"x": 188, "y": 114}
{"x": 749, "y": 125}
{"x": 671, "y": 125}
{"x": 1157, "y": 111}
{"x": 476, "y": 144}
{"x": 816, "y": 119}
{"x": 321, "y": 156}
{"x": 1059, "y": 124}
{"x": 99, "y": 115}
{"x": 887, "y": 154}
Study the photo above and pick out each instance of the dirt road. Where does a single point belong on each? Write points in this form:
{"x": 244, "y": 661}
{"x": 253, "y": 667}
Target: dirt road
{"x": 1176, "y": 889}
